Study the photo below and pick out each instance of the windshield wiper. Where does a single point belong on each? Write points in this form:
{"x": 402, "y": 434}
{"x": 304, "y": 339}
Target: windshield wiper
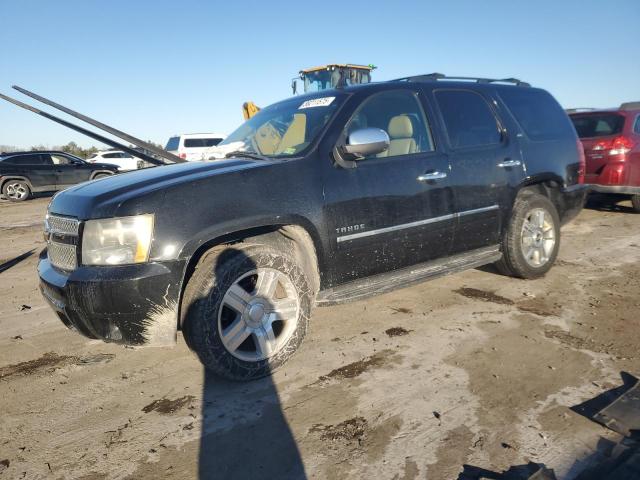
{"x": 241, "y": 153}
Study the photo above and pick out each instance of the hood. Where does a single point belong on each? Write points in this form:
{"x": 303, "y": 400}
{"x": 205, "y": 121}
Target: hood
{"x": 102, "y": 198}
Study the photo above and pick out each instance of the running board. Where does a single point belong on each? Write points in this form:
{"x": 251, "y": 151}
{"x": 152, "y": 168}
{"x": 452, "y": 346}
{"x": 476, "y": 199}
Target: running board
{"x": 386, "y": 282}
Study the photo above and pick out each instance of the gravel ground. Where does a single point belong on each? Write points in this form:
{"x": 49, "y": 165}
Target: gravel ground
{"x": 474, "y": 369}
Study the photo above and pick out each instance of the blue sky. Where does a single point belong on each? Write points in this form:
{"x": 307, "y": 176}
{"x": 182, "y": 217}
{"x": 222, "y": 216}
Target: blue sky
{"x": 156, "y": 68}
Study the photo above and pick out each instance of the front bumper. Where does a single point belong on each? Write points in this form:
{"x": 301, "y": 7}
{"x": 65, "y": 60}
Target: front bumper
{"x": 129, "y": 304}
{"x": 620, "y": 189}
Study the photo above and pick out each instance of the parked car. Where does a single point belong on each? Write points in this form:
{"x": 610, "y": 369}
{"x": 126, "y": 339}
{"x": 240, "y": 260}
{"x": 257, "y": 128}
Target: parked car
{"x": 332, "y": 196}
{"x": 191, "y": 146}
{"x": 611, "y": 140}
{"x": 24, "y": 173}
{"x": 123, "y": 160}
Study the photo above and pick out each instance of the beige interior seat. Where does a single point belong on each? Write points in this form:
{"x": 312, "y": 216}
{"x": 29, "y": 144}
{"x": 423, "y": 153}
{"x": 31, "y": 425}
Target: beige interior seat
{"x": 400, "y": 132}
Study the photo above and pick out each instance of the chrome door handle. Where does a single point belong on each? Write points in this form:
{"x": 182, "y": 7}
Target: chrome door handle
{"x": 429, "y": 177}
{"x": 510, "y": 163}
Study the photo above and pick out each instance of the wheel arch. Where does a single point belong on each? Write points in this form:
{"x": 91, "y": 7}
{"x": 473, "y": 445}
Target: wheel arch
{"x": 7, "y": 178}
{"x": 95, "y": 173}
{"x": 300, "y": 240}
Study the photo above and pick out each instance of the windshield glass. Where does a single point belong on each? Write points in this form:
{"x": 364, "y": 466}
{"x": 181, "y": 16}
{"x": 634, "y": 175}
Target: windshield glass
{"x": 597, "y": 125}
{"x": 280, "y": 130}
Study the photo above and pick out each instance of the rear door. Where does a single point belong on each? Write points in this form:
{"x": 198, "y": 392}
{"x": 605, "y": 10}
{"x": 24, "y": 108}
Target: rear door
{"x": 37, "y": 168}
{"x": 485, "y": 165}
{"x": 395, "y": 209}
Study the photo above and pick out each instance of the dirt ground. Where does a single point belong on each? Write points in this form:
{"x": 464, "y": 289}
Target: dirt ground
{"x": 474, "y": 369}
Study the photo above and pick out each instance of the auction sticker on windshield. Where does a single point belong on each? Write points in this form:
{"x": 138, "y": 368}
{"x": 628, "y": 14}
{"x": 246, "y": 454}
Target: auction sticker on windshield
{"x": 317, "y": 102}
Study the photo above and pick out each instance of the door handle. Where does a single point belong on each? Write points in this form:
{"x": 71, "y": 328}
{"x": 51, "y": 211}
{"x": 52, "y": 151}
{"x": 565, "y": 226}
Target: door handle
{"x": 429, "y": 177}
{"x": 510, "y": 163}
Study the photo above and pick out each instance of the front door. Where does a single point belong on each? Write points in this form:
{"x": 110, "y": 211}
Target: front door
{"x": 70, "y": 171}
{"x": 393, "y": 209}
{"x": 485, "y": 165}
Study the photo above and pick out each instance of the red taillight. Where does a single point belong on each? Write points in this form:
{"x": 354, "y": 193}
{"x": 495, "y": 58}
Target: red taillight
{"x": 582, "y": 169}
{"x": 617, "y": 146}
{"x": 183, "y": 155}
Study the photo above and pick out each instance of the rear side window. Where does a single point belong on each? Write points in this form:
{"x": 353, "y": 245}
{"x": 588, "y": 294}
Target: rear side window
{"x": 636, "y": 129}
{"x": 28, "y": 160}
{"x": 173, "y": 143}
{"x": 111, "y": 155}
{"x": 598, "y": 125}
{"x": 201, "y": 142}
{"x": 537, "y": 113}
{"x": 468, "y": 118}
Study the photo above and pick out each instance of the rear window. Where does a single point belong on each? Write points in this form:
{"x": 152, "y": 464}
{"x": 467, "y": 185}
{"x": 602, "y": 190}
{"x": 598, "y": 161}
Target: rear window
{"x": 598, "y": 125}
{"x": 173, "y": 143}
{"x": 537, "y": 112}
{"x": 111, "y": 155}
{"x": 201, "y": 142}
{"x": 468, "y": 118}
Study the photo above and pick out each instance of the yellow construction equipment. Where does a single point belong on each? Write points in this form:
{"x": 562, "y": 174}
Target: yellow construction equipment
{"x": 324, "y": 77}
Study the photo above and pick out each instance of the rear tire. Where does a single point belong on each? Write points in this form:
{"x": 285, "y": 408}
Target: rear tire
{"x": 246, "y": 310}
{"x": 635, "y": 203}
{"x": 531, "y": 242}
{"x": 16, "y": 190}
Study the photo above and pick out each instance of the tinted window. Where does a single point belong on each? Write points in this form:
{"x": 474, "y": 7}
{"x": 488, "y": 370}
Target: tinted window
{"x": 636, "y": 129}
{"x": 173, "y": 143}
{"x": 468, "y": 118}
{"x": 597, "y": 125}
{"x": 35, "y": 159}
{"x": 111, "y": 155}
{"x": 537, "y": 112}
{"x": 201, "y": 142}
{"x": 400, "y": 115}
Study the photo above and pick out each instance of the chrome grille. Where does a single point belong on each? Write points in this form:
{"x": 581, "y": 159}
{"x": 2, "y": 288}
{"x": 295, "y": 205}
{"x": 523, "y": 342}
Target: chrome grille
{"x": 62, "y": 253}
{"x": 61, "y": 225}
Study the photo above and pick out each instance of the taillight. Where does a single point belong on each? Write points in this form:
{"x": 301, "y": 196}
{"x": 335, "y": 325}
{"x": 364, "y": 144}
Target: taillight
{"x": 582, "y": 169}
{"x": 183, "y": 155}
{"x": 617, "y": 146}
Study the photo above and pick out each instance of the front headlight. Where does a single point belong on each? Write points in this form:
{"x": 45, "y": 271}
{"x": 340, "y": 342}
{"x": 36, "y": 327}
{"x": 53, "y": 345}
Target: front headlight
{"x": 117, "y": 241}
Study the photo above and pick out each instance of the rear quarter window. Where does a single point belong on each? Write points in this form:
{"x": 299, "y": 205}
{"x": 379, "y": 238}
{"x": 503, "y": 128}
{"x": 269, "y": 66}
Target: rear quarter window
{"x": 173, "y": 143}
{"x": 537, "y": 113}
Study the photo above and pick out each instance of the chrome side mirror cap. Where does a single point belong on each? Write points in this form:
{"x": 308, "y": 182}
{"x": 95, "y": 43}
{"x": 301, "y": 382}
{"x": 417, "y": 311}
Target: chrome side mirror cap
{"x": 364, "y": 142}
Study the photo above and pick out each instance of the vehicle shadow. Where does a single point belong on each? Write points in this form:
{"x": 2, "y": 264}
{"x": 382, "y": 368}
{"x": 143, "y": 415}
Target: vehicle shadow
{"x": 6, "y": 265}
{"x": 607, "y": 203}
{"x": 244, "y": 431}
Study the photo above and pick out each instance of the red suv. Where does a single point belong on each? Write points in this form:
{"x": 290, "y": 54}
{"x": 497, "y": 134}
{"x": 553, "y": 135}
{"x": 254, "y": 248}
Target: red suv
{"x": 611, "y": 140}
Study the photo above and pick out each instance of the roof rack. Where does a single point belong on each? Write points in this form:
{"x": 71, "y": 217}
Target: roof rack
{"x": 580, "y": 109}
{"x": 630, "y": 106}
{"x": 440, "y": 76}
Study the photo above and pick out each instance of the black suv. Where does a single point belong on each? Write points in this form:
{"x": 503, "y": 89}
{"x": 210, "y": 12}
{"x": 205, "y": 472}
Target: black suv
{"x": 324, "y": 198}
{"x": 24, "y": 173}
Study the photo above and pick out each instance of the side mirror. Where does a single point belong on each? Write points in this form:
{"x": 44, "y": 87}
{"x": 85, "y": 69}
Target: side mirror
{"x": 366, "y": 141}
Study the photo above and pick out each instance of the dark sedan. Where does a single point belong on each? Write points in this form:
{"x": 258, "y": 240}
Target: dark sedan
{"x": 25, "y": 173}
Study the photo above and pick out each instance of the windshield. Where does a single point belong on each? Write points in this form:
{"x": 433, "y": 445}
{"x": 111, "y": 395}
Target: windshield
{"x": 597, "y": 125}
{"x": 282, "y": 129}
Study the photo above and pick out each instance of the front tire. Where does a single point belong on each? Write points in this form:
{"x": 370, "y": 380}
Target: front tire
{"x": 531, "y": 242}
{"x": 635, "y": 203}
{"x": 246, "y": 311}
{"x": 16, "y": 190}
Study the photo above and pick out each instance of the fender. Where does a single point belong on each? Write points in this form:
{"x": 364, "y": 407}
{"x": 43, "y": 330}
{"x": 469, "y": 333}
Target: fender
{"x": 239, "y": 228}
{"x": 5, "y": 178}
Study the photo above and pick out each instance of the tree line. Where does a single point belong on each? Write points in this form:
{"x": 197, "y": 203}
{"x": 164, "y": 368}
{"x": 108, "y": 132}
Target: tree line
{"x": 72, "y": 148}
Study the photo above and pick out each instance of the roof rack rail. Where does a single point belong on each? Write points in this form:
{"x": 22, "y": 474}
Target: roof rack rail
{"x": 580, "y": 109}
{"x": 440, "y": 76}
{"x": 630, "y": 106}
